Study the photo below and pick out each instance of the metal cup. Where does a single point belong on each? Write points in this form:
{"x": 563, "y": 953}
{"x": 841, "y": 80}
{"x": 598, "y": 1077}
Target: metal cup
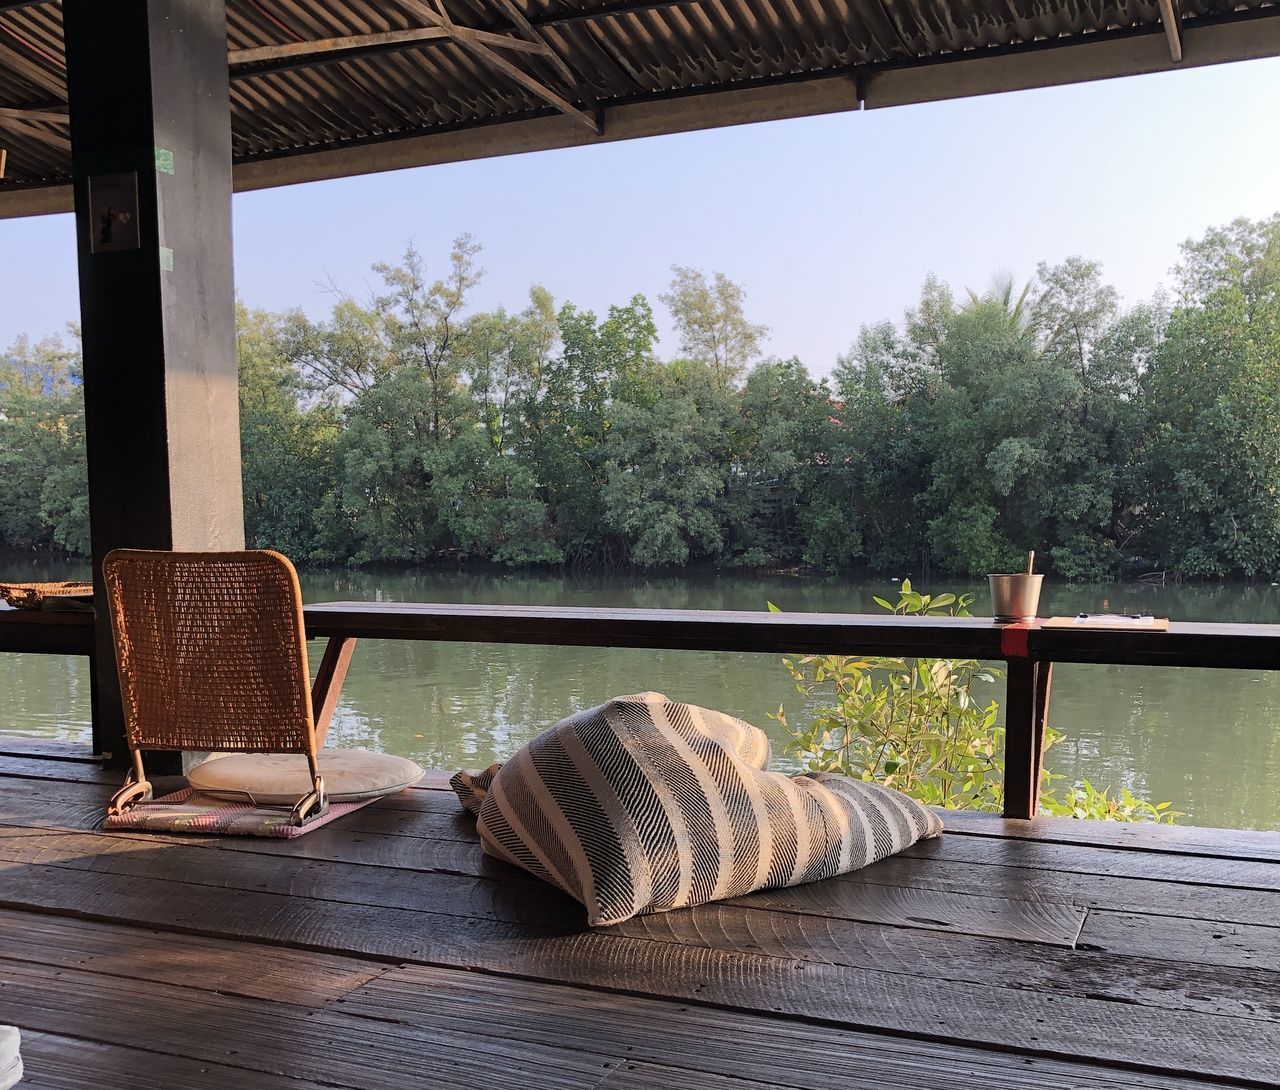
{"x": 1015, "y": 597}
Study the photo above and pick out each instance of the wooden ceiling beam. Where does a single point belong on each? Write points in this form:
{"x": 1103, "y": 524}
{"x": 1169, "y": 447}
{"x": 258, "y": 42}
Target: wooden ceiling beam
{"x": 606, "y": 11}
{"x": 25, "y": 113}
{"x": 20, "y": 127}
{"x": 573, "y": 78}
{"x": 1172, "y": 21}
{"x": 534, "y": 86}
{"x": 261, "y": 60}
{"x": 472, "y": 41}
{"x": 277, "y": 57}
{"x": 32, "y": 72}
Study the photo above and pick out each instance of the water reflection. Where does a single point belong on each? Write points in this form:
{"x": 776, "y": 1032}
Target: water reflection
{"x": 1206, "y": 739}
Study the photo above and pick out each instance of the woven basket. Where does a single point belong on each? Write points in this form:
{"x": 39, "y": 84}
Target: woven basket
{"x": 33, "y": 595}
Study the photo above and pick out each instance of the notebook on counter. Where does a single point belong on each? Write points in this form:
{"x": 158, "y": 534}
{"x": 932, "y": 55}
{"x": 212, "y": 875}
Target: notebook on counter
{"x": 1129, "y": 622}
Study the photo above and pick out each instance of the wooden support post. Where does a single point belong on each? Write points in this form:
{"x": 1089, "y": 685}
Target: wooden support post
{"x": 1026, "y": 713}
{"x": 1044, "y": 681}
{"x": 328, "y": 684}
{"x": 151, "y": 163}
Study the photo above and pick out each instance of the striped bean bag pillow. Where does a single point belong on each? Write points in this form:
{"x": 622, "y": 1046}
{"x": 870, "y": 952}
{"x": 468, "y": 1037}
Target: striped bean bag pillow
{"x": 644, "y": 805}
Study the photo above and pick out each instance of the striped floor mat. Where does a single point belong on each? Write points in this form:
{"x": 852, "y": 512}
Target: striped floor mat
{"x": 188, "y": 811}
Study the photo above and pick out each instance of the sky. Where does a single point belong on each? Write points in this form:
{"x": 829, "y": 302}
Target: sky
{"x": 827, "y": 222}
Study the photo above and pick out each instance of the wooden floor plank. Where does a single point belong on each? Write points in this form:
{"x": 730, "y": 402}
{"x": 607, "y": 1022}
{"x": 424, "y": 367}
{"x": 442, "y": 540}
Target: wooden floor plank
{"x": 1077, "y": 859}
{"x": 54, "y": 1062}
{"x": 956, "y": 913}
{"x": 727, "y": 927}
{"x": 325, "y": 1046}
{"x": 20, "y": 745}
{"x": 436, "y": 779}
{"x": 645, "y": 1076}
{"x": 749, "y": 1052}
{"x": 1116, "y": 976}
{"x": 723, "y": 1043}
{"x": 1184, "y": 942}
{"x": 1015, "y": 870}
{"x": 1051, "y": 876}
{"x": 73, "y": 805}
{"x": 1031, "y": 1021}
{"x": 387, "y": 818}
{"x": 959, "y": 951}
{"x": 358, "y": 839}
{"x": 303, "y": 978}
{"x": 229, "y": 967}
{"x": 520, "y": 900}
{"x": 1113, "y": 892}
{"x": 82, "y": 806}
{"x": 1260, "y": 846}
{"x": 39, "y": 768}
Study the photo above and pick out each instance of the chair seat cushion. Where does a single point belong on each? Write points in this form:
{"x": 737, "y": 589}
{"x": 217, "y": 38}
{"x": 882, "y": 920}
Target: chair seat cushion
{"x": 10, "y": 1060}
{"x": 645, "y": 804}
{"x": 280, "y": 779}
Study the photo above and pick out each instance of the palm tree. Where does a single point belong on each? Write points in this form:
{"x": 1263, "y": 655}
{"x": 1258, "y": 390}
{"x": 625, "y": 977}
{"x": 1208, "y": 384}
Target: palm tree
{"x": 1000, "y": 298}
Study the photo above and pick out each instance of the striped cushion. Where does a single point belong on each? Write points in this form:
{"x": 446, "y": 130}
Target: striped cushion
{"x": 643, "y": 805}
{"x": 10, "y": 1060}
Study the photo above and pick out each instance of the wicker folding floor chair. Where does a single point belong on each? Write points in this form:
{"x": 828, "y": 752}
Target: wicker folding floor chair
{"x": 212, "y": 656}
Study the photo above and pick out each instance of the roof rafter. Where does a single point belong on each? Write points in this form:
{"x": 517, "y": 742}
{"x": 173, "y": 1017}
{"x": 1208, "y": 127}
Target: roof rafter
{"x": 25, "y": 113}
{"x": 606, "y": 11}
{"x": 12, "y": 121}
{"x": 471, "y": 41}
{"x": 31, "y": 72}
{"x": 531, "y": 33}
{"x": 261, "y": 60}
{"x": 1171, "y": 17}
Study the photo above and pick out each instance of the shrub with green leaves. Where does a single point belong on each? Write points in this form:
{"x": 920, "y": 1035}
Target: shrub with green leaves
{"x": 919, "y": 726}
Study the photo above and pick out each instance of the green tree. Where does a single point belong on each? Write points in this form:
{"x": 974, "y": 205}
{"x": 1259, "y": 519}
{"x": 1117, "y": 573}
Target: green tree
{"x": 287, "y": 441}
{"x": 975, "y": 432}
{"x": 600, "y": 364}
{"x": 421, "y": 318}
{"x": 44, "y": 503}
{"x": 666, "y": 464}
{"x": 1243, "y": 256}
{"x": 710, "y": 318}
{"x": 781, "y": 434}
{"x": 870, "y": 508}
{"x": 397, "y": 366}
{"x": 410, "y": 429}
{"x": 1211, "y": 464}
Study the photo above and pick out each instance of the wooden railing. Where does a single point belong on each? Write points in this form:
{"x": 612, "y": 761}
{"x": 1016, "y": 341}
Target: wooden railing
{"x": 1028, "y": 651}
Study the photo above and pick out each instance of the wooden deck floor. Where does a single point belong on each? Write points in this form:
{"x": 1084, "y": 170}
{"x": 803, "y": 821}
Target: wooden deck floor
{"x": 386, "y": 952}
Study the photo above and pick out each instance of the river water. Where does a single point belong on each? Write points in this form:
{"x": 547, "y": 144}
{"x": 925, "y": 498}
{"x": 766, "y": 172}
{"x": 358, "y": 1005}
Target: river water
{"x": 1206, "y": 740}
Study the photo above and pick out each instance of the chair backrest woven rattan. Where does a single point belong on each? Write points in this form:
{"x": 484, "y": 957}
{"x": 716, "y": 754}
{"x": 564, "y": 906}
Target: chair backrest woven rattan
{"x": 211, "y": 651}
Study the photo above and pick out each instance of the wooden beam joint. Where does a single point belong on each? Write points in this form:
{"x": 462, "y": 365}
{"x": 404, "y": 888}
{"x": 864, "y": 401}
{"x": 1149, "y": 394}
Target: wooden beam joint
{"x": 477, "y": 43}
{"x": 567, "y": 73}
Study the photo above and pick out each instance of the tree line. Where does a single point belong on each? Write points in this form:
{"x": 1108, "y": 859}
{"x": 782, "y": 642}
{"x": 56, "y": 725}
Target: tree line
{"x": 409, "y": 428}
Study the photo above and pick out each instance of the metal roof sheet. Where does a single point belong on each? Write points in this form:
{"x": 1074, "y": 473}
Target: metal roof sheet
{"x": 309, "y": 94}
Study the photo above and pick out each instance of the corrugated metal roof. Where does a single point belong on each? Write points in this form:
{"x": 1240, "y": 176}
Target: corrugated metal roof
{"x": 601, "y": 56}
